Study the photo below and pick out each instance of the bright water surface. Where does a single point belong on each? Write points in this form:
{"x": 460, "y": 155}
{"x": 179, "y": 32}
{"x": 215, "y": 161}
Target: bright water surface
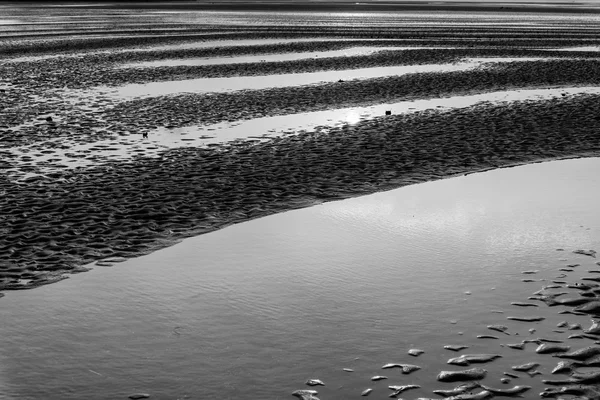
{"x": 348, "y": 52}
{"x": 230, "y": 84}
{"x": 255, "y": 309}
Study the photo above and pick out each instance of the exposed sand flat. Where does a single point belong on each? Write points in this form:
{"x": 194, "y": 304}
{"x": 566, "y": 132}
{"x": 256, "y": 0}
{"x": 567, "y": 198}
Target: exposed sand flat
{"x": 125, "y": 44}
{"x": 54, "y": 155}
{"x": 240, "y": 42}
{"x": 62, "y": 35}
{"x": 183, "y": 46}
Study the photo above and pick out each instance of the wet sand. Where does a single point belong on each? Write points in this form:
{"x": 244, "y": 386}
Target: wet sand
{"x": 57, "y": 222}
{"x": 152, "y": 200}
{"x": 139, "y": 206}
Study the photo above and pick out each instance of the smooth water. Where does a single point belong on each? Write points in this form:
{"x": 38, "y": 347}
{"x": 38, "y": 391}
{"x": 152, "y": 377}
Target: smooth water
{"x": 230, "y": 84}
{"x": 347, "y": 52}
{"x": 237, "y": 83}
{"x": 255, "y": 309}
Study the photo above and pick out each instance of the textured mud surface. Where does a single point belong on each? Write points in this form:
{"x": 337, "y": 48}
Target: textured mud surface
{"x": 124, "y": 209}
{"x": 57, "y": 218}
{"x": 66, "y": 201}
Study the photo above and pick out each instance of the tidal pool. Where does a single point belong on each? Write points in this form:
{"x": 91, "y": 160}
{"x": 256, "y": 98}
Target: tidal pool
{"x": 257, "y": 308}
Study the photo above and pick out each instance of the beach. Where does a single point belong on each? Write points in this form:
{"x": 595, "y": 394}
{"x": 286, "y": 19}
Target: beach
{"x": 127, "y": 130}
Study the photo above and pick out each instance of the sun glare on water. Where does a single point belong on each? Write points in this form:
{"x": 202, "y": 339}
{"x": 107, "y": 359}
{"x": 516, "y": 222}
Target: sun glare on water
{"x": 352, "y": 118}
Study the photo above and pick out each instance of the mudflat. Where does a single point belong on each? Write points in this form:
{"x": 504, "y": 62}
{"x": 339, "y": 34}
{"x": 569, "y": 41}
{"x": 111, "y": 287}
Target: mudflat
{"x": 67, "y": 202}
{"x": 57, "y": 218}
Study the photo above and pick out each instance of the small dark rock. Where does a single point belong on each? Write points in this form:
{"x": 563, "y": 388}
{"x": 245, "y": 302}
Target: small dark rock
{"x": 137, "y": 396}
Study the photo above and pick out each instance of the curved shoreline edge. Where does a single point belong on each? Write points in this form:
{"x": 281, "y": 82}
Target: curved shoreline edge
{"x": 121, "y": 210}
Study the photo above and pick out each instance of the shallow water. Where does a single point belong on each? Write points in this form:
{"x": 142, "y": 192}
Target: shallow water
{"x": 351, "y": 51}
{"x": 4, "y": 21}
{"x": 262, "y": 306}
{"x": 201, "y": 44}
{"x": 578, "y": 48}
{"x": 206, "y": 85}
{"x": 229, "y": 84}
{"x": 237, "y": 42}
{"x": 270, "y": 127}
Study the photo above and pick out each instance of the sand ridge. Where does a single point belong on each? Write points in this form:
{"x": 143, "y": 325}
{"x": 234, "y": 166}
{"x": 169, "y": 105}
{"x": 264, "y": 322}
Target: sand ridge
{"x": 66, "y": 218}
{"x": 127, "y": 209}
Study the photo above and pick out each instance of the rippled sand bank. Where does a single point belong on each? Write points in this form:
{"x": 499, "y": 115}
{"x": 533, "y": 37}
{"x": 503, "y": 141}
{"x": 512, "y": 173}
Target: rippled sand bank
{"x": 140, "y": 206}
{"x": 58, "y": 217}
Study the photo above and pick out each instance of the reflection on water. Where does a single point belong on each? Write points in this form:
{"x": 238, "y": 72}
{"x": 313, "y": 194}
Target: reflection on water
{"x": 578, "y": 48}
{"x": 205, "y": 85}
{"x": 349, "y": 52}
{"x": 238, "y": 42}
{"x": 270, "y": 127}
{"x": 259, "y": 307}
{"x": 77, "y": 154}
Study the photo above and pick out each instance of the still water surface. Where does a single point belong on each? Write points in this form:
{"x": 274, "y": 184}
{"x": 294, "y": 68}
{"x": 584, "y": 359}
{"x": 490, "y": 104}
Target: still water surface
{"x": 255, "y": 309}
{"x": 348, "y": 52}
{"x": 237, "y": 83}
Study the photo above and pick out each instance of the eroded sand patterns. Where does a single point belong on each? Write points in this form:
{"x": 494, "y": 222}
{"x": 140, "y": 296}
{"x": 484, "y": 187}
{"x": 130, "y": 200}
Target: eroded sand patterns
{"x": 111, "y": 206}
{"x": 192, "y": 213}
{"x": 580, "y": 367}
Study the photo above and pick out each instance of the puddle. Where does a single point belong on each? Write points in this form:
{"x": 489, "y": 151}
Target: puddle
{"x": 65, "y": 153}
{"x": 351, "y": 51}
